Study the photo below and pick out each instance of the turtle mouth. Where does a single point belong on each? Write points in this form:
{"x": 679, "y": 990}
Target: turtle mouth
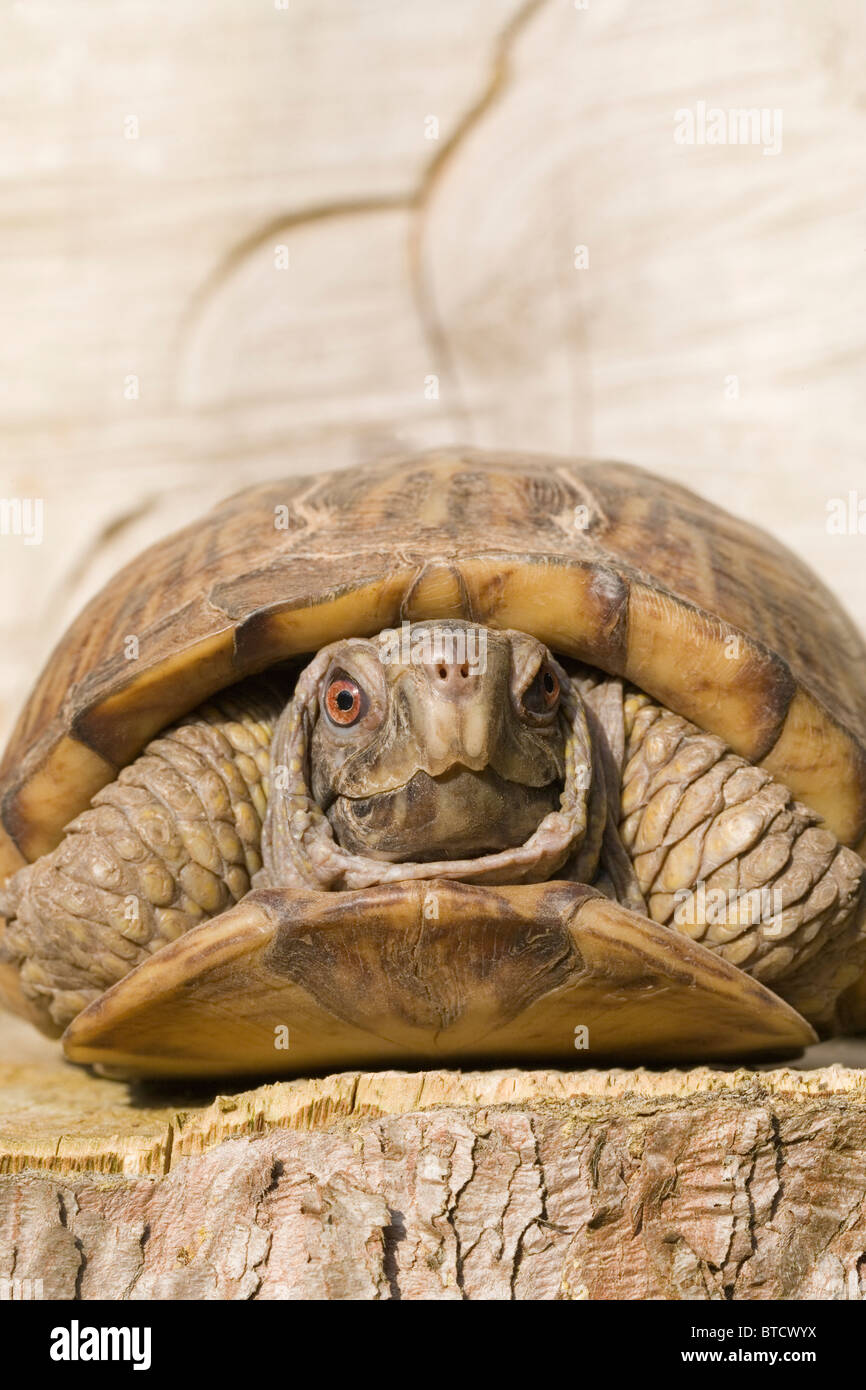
{"x": 459, "y": 812}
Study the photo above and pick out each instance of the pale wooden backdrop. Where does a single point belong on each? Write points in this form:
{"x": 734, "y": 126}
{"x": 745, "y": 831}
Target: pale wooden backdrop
{"x": 156, "y": 158}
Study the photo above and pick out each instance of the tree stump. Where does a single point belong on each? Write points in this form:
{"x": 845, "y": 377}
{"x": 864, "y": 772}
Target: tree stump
{"x": 702, "y": 1184}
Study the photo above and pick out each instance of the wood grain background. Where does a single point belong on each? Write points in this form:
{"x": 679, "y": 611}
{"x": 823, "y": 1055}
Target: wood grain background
{"x": 428, "y": 171}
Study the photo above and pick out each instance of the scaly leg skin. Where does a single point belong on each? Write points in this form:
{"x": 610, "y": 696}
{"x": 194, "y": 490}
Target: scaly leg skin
{"x": 724, "y": 854}
{"x": 173, "y": 841}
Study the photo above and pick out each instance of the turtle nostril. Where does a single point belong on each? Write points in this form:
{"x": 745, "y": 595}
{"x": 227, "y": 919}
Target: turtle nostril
{"x": 451, "y": 678}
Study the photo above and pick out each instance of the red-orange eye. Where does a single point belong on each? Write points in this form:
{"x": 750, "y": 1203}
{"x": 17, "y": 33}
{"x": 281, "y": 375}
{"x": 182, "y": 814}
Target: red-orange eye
{"x": 344, "y": 701}
{"x": 542, "y": 695}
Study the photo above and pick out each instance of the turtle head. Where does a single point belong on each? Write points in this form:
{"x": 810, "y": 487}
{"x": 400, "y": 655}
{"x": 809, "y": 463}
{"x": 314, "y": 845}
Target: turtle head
{"x": 439, "y": 749}
{"x": 438, "y": 741}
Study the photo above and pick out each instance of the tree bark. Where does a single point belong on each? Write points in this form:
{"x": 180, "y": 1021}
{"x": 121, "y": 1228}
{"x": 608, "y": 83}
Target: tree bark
{"x": 434, "y": 1185}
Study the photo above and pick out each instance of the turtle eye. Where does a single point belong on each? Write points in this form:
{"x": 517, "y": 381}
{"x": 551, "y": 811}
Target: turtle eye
{"x": 542, "y": 696}
{"x": 345, "y": 701}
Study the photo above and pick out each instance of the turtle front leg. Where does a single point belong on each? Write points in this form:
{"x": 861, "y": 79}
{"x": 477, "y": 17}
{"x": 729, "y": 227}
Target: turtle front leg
{"x": 173, "y": 841}
{"x": 725, "y": 855}
{"x": 420, "y": 973}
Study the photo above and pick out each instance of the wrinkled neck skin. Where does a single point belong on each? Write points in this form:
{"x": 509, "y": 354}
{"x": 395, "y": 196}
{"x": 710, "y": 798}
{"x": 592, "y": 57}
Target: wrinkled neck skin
{"x": 445, "y": 750}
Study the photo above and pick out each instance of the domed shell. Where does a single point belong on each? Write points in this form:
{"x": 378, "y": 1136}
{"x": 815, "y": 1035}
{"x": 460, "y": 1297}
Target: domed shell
{"x": 602, "y": 561}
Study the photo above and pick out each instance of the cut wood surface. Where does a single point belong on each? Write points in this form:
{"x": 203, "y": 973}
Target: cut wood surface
{"x": 701, "y": 1184}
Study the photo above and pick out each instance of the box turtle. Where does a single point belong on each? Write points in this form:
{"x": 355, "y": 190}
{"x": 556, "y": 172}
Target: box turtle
{"x": 460, "y": 757}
